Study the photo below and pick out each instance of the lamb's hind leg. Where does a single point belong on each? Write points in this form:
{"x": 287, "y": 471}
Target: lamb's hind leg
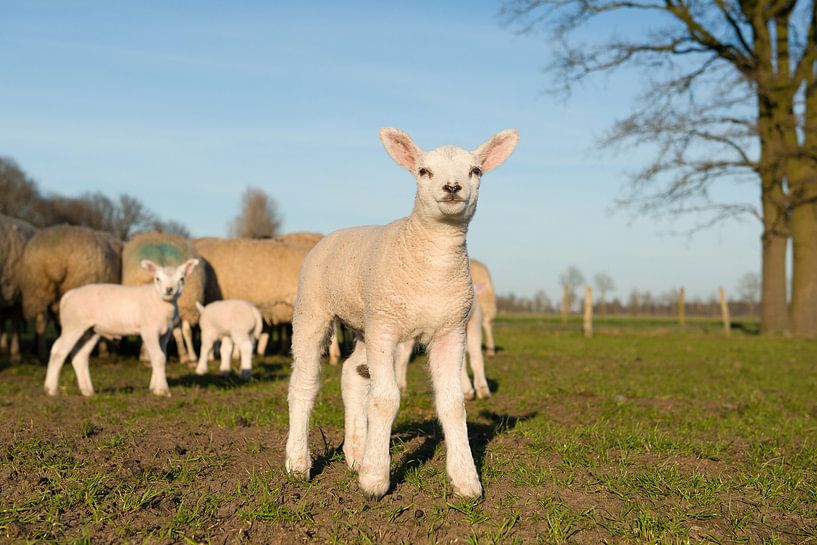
{"x": 59, "y": 351}
{"x": 310, "y": 332}
{"x": 445, "y": 360}
{"x": 382, "y": 406}
{"x": 354, "y": 387}
{"x": 81, "y": 364}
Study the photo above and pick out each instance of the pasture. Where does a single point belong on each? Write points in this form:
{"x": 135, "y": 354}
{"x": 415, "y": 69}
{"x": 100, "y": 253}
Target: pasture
{"x": 643, "y": 434}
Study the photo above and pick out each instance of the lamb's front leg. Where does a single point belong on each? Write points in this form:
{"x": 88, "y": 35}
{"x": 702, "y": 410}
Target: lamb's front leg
{"x": 383, "y": 403}
{"x": 445, "y": 361}
{"x": 158, "y": 379}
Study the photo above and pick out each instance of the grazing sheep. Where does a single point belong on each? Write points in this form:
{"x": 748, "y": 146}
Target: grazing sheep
{"x": 58, "y": 259}
{"x": 405, "y": 280}
{"x": 233, "y": 322}
{"x": 473, "y": 348}
{"x": 14, "y": 235}
{"x": 484, "y": 288}
{"x": 113, "y": 311}
{"x": 308, "y": 239}
{"x": 168, "y": 250}
{"x": 263, "y": 272}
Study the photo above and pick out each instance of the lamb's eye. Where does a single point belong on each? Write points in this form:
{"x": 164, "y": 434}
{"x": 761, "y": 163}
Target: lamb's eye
{"x": 476, "y": 171}
{"x": 424, "y": 172}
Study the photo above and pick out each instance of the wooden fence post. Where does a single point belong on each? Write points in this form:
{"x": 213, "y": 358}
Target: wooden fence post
{"x": 682, "y": 315}
{"x": 565, "y": 305}
{"x": 727, "y": 324}
{"x": 588, "y": 311}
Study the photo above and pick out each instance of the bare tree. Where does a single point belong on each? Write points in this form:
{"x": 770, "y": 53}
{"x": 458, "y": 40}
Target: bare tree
{"x": 604, "y": 285}
{"x": 730, "y": 95}
{"x": 20, "y": 194}
{"x": 570, "y": 279}
{"x": 258, "y": 217}
{"x": 749, "y": 289}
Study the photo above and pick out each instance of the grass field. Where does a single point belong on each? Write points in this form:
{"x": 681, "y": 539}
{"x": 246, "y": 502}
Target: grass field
{"x": 643, "y": 434}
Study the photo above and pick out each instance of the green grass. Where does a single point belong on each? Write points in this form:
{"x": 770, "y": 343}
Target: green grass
{"x": 646, "y": 433}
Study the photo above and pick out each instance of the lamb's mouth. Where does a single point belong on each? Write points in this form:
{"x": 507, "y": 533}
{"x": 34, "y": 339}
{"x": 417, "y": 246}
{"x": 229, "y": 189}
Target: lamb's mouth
{"x": 451, "y": 200}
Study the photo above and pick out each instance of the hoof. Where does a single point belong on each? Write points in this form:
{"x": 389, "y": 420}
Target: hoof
{"x": 200, "y": 371}
{"x": 50, "y": 391}
{"x": 224, "y": 373}
{"x": 161, "y": 392}
{"x": 87, "y": 393}
{"x": 469, "y": 395}
{"x": 490, "y": 353}
{"x": 468, "y": 490}
{"x": 374, "y": 487}
{"x": 246, "y": 374}
{"x": 483, "y": 393}
{"x": 298, "y": 468}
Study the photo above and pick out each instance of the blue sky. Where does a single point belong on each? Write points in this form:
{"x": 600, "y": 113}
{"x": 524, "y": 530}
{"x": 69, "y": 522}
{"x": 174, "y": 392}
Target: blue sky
{"x": 185, "y": 103}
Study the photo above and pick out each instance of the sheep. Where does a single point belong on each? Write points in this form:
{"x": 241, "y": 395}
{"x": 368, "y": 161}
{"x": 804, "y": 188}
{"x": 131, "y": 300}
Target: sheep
{"x": 58, "y": 259}
{"x": 484, "y": 288}
{"x": 233, "y": 322}
{"x": 473, "y": 348}
{"x": 113, "y": 311}
{"x": 308, "y": 239}
{"x": 14, "y": 235}
{"x": 405, "y": 280}
{"x": 263, "y": 272}
{"x": 168, "y": 250}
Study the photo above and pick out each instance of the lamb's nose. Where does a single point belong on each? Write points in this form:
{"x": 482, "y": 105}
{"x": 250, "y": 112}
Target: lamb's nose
{"x": 452, "y": 188}
{"x": 169, "y": 290}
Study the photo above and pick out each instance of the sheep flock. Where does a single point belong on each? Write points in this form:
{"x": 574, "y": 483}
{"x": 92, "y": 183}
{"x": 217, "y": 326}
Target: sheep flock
{"x": 388, "y": 288}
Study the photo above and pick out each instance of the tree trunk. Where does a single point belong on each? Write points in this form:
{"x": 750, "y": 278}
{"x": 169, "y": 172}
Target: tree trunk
{"x": 773, "y": 307}
{"x": 804, "y": 270}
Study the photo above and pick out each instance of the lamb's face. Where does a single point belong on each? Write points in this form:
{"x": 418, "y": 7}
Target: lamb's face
{"x": 448, "y": 177}
{"x": 448, "y": 184}
{"x": 169, "y": 281}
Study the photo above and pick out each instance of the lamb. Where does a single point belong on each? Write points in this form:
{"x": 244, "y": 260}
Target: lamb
{"x": 231, "y": 321}
{"x": 484, "y": 288}
{"x": 405, "y": 280}
{"x": 14, "y": 235}
{"x": 263, "y": 272}
{"x": 168, "y": 250}
{"x": 113, "y": 311}
{"x": 58, "y": 259}
{"x": 485, "y": 298}
{"x": 473, "y": 348}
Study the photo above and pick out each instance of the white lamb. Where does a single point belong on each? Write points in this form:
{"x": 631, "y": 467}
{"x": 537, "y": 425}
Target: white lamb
{"x": 473, "y": 348}
{"x": 113, "y": 311}
{"x": 233, "y": 322}
{"x": 405, "y": 280}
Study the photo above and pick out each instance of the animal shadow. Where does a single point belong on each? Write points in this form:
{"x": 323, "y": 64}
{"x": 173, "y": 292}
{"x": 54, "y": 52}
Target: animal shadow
{"x": 480, "y": 435}
{"x": 262, "y": 372}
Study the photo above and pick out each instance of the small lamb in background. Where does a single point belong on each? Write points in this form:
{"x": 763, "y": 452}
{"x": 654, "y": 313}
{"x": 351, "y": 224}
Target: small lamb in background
{"x": 113, "y": 311}
{"x": 232, "y": 322}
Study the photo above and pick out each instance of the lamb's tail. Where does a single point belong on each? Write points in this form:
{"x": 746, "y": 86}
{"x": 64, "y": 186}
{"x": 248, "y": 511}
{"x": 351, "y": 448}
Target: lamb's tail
{"x": 200, "y": 307}
{"x": 259, "y": 322}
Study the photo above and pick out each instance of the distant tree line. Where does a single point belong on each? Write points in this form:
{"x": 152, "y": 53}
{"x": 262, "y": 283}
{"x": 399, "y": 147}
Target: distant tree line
{"x": 122, "y": 216}
{"x": 743, "y": 300}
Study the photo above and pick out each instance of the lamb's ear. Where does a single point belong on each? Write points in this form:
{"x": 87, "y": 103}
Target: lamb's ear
{"x": 401, "y": 148}
{"x": 149, "y": 266}
{"x": 188, "y": 266}
{"x": 496, "y": 149}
